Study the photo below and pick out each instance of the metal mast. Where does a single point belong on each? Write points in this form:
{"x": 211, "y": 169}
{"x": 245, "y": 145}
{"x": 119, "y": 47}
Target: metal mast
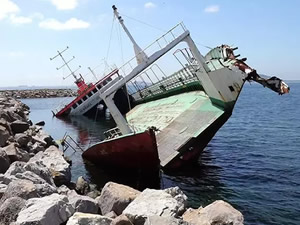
{"x": 140, "y": 55}
{"x": 66, "y": 63}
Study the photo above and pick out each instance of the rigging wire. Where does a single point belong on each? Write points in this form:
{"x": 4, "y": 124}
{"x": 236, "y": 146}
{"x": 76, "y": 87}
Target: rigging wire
{"x": 110, "y": 38}
{"x": 157, "y": 28}
{"x": 142, "y": 22}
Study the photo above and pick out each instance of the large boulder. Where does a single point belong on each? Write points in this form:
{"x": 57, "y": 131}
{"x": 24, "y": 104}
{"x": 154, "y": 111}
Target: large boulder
{"x": 43, "y": 188}
{"x": 82, "y": 203}
{"x": 4, "y": 135}
{"x": 88, "y": 219}
{"x": 217, "y": 213}
{"x": 116, "y": 197}
{"x": 4, "y": 161}
{"x": 53, "y": 159}
{"x": 37, "y": 168}
{"x": 16, "y": 154}
{"x": 20, "y": 188}
{"x": 19, "y": 126}
{"x": 54, "y": 209}
{"x": 170, "y": 202}
{"x": 10, "y": 208}
{"x": 155, "y": 219}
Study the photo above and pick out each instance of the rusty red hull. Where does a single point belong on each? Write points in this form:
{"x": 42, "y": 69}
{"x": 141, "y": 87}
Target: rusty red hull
{"x": 136, "y": 151}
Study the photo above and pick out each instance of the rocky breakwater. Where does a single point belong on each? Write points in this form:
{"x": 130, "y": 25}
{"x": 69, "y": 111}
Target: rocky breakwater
{"x": 39, "y": 93}
{"x": 35, "y": 187}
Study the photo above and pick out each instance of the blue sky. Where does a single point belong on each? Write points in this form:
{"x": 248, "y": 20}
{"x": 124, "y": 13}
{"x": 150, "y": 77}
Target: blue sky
{"x": 266, "y": 32}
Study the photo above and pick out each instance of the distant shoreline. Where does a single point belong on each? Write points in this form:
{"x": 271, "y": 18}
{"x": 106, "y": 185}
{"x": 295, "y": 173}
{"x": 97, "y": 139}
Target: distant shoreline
{"x": 39, "y": 93}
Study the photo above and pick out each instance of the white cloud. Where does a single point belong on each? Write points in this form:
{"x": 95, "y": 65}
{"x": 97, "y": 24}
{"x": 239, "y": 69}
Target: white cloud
{"x": 37, "y": 15}
{"x": 65, "y": 4}
{"x": 70, "y": 24}
{"x": 7, "y": 7}
{"x": 19, "y": 19}
{"x": 149, "y": 5}
{"x": 212, "y": 9}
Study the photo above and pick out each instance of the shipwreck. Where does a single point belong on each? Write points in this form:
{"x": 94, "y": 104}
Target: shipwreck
{"x": 172, "y": 118}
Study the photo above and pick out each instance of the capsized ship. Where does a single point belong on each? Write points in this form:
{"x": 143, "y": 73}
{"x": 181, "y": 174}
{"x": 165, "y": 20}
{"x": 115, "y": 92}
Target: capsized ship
{"x": 175, "y": 117}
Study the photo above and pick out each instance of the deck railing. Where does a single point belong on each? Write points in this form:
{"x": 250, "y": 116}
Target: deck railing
{"x": 158, "y": 44}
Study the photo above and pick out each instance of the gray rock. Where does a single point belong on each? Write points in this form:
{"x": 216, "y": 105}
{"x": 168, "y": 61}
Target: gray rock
{"x": 4, "y": 135}
{"x": 155, "y": 219}
{"x": 6, "y": 179}
{"x": 6, "y": 124}
{"x": 39, "y": 140}
{"x": 217, "y": 213}
{"x": 36, "y": 167}
{"x": 4, "y": 161}
{"x": 41, "y": 170}
{"x": 122, "y": 220}
{"x": 20, "y": 188}
{"x": 42, "y": 187}
{"x": 2, "y": 190}
{"x": 4, "y": 115}
{"x": 22, "y": 139}
{"x": 15, "y": 167}
{"x": 40, "y": 123}
{"x": 94, "y": 194}
{"x": 63, "y": 190}
{"x": 156, "y": 202}
{"x": 53, "y": 159}
{"x": 19, "y": 126}
{"x": 111, "y": 214}
{"x": 16, "y": 154}
{"x": 10, "y": 208}
{"x": 116, "y": 197}
{"x": 82, "y": 186}
{"x": 36, "y": 147}
{"x": 88, "y": 219}
{"x": 54, "y": 209}
{"x": 82, "y": 203}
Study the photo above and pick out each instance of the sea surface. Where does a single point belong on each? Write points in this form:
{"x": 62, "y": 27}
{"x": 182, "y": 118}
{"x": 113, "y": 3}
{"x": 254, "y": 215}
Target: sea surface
{"x": 253, "y": 162}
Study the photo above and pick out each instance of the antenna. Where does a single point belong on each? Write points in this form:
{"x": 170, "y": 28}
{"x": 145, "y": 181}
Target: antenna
{"x": 92, "y": 71}
{"x": 139, "y": 53}
{"x": 66, "y": 63}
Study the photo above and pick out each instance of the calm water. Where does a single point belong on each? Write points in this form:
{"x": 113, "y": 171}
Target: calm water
{"x": 253, "y": 162}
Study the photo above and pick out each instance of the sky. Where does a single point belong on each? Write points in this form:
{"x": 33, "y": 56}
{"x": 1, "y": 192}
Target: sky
{"x": 267, "y": 32}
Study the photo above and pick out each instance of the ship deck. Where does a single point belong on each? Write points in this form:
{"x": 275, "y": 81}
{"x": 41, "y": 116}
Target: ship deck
{"x": 178, "y": 118}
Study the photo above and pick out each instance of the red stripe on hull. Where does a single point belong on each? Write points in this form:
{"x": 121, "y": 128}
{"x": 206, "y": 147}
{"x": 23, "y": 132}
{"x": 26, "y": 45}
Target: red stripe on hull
{"x": 137, "y": 151}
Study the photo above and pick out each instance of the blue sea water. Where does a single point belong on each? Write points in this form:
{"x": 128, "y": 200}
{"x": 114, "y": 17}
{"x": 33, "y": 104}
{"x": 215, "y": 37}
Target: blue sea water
{"x": 253, "y": 162}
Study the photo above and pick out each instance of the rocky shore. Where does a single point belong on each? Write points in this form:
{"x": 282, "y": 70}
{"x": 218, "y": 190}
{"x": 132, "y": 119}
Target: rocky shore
{"x": 39, "y": 93}
{"x": 36, "y": 187}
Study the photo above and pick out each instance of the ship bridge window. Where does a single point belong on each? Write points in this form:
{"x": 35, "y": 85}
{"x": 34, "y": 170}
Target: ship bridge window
{"x": 100, "y": 86}
{"x": 79, "y": 102}
{"x": 231, "y": 88}
{"x": 84, "y": 98}
{"x": 74, "y": 106}
{"x": 90, "y": 94}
